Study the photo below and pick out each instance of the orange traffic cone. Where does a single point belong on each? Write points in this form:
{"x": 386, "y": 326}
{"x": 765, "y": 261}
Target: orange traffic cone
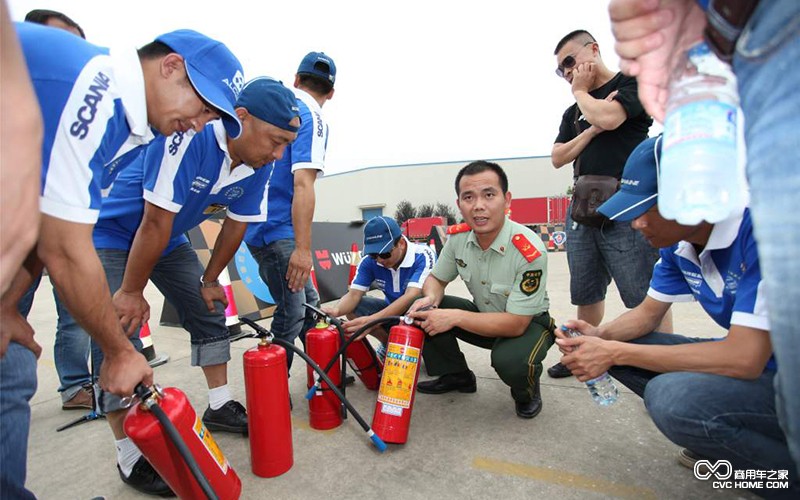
{"x": 231, "y": 313}
{"x": 314, "y": 279}
{"x": 355, "y": 260}
{"x": 149, "y": 350}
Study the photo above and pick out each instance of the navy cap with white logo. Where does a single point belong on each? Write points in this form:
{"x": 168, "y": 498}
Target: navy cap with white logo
{"x": 213, "y": 70}
{"x": 379, "y": 235}
{"x": 269, "y": 100}
{"x": 318, "y": 64}
{"x": 638, "y": 190}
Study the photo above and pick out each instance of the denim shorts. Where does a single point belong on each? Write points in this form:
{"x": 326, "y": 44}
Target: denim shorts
{"x": 596, "y": 255}
{"x": 177, "y": 277}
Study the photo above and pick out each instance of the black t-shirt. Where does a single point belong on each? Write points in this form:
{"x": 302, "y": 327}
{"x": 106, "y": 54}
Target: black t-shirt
{"x": 606, "y": 154}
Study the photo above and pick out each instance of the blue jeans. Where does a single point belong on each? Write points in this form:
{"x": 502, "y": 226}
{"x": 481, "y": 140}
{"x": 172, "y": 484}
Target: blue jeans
{"x": 720, "y": 417}
{"x": 290, "y": 319}
{"x": 595, "y": 255}
{"x": 71, "y": 348}
{"x": 766, "y": 66}
{"x": 17, "y": 386}
{"x": 177, "y": 277}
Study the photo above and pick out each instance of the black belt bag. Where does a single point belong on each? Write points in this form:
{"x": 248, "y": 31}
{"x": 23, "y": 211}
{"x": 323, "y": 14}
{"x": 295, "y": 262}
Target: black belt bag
{"x": 726, "y": 20}
{"x": 589, "y": 193}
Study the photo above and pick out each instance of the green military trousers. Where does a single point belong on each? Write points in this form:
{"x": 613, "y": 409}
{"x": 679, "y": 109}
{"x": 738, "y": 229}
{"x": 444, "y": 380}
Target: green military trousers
{"x": 517, "y": 360}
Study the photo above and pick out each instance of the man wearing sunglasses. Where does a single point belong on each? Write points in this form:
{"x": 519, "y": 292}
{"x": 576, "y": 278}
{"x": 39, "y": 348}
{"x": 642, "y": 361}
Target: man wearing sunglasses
{"x": 597, "y": 134}
{"x": 396, "y": 266}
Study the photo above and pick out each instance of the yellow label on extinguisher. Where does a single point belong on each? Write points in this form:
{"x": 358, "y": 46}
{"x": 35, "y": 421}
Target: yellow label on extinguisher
{"x": 399, "y": 375}
{"x": 208, "y": 441}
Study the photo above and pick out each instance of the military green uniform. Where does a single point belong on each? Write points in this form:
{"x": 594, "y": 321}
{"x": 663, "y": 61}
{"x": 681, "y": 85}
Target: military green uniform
{"x": 509, "y": 276}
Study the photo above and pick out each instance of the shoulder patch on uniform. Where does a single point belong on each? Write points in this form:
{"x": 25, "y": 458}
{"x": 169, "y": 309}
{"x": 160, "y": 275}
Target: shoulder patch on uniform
{"x": 525, "y": 247}
{"x": 458, "y": 228}
{"x": 530, "y": 281}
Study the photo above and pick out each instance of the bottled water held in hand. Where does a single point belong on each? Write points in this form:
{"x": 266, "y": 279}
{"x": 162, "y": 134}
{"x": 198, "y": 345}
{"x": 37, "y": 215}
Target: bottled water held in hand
{"x": 702, "y": 161}
{"x": 603, "y": 390}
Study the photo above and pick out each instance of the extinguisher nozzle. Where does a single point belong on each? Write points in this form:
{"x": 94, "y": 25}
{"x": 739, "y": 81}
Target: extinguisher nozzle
{"x": 310, "y": 393}
{"x": 378, "y": 442}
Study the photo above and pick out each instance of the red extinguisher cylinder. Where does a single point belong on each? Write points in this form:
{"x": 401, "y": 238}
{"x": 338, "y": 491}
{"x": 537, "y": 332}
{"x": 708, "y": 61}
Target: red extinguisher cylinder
{"x": 362, "y": 359}
{"x": 324, "y": 410}
{"x": 392, "y": 416}
{"x": 146, "y": 432}
{"x": 269, "y": 421}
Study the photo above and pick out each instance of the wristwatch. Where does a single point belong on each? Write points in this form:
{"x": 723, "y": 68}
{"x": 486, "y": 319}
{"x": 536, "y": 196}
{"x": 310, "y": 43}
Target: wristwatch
{"x": 208, "y": 284}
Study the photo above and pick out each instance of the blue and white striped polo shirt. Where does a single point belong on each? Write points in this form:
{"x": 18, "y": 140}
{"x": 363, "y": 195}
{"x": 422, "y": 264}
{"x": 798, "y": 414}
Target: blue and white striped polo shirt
{"x": 188, "y": 174}
{"x": 307, "y": 151}
{"x": 725, "y": 278}
{"x": 94, "y": 112}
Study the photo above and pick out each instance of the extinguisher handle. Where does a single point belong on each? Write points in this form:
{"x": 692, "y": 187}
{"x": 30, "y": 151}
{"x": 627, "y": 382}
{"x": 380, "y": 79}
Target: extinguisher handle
{"x": 261, "y": 331}
{"x": 322, "y": 314}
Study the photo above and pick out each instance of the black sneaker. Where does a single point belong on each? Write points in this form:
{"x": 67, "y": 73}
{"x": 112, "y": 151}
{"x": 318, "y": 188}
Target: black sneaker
{"x": 231, "y": 417}
{"x": 558, "y": 370}
{"x": 688, "y": 458}
{"x": 145, "y": 479}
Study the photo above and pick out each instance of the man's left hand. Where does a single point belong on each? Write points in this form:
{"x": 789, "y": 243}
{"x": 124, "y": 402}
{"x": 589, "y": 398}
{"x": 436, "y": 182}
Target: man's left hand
{"x": 590, "y": 356}
{"x": 299, "y": 269}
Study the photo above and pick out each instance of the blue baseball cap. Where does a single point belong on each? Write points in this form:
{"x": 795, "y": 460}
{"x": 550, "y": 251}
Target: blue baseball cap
{"x": 318, "y": 64}
{"x": 379, "y": 235}
{"x": 213, "y": 70}
{"x": 269, "y": 100}
{"x": 639, "y": 186}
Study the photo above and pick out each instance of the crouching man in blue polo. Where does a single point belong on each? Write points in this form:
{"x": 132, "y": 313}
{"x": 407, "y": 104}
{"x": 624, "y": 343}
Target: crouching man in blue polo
{"x": 715, "y": 397}
{"x": 396, "y": 266}
{"x": 178, "y": 182}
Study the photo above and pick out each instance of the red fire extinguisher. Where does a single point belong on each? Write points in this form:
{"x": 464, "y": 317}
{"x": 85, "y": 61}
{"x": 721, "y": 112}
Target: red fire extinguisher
{"x": 150, "y": 436}
{"x": 392, "y": 415}
{"x": 269, "y": 421}
{"x": 362, "y": 359}
{"x": 322, "y": 344}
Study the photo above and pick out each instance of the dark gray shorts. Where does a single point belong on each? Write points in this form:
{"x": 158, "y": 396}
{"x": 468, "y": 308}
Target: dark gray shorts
{"x": 596, "y": 255}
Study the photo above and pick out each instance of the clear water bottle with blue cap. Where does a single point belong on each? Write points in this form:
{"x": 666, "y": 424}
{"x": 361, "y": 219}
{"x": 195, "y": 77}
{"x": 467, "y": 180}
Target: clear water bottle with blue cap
{"x": 603, "y": 390}
{"x": 702, "y": 162}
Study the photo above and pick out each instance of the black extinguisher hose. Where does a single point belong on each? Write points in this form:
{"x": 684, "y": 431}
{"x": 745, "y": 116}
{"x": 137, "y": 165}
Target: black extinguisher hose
{"x": 346, "y": 344}
{"x": 145, "y": 395}
{"x": 377, "y": 441}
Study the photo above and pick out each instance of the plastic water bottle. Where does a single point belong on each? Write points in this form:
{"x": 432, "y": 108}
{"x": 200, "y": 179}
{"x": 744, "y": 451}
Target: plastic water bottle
{"x": 702, "y": 161}
{"x": 603, "y": 390}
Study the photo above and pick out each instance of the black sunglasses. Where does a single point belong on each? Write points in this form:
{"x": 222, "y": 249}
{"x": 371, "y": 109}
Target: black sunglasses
{"x": 377, "y": 256}
{"x": 569, "y": 62}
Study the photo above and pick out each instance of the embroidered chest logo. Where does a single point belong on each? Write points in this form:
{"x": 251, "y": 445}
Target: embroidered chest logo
{"x": 461, "y": 263}
{"x": 233, "y": 193}
{"x": 530, "y": 282}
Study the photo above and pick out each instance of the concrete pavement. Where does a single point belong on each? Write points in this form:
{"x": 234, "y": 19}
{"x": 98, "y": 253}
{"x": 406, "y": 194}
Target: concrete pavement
{"x": 460, "y": 446}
